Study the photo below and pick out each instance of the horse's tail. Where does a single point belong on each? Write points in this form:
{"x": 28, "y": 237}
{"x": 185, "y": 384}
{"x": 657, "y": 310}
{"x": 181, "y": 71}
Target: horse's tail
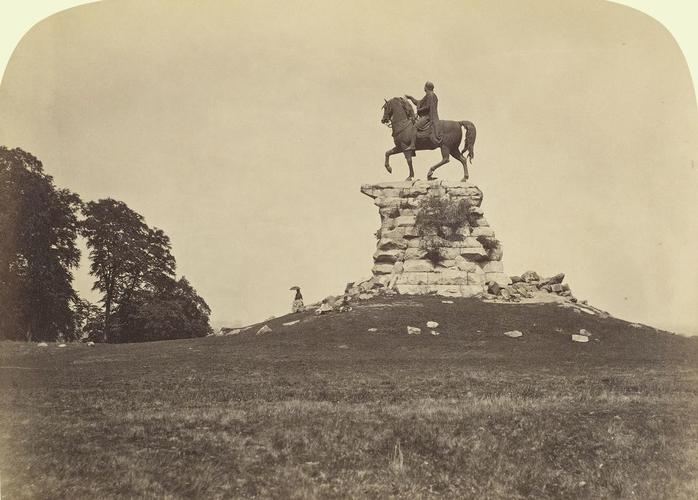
{"x": 470, "y": 134}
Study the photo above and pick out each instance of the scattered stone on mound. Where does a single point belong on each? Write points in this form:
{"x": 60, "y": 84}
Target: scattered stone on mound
{"x": 557, "y": 279}
{"x": 263, "y": 330}
{"x": 42, "y": 344}
{"x": 580, "y": 338}
{"x": 530, "y": 287}
{"x": 289, "y": 323}
{"x": 584, "y": 332}
{"x": 513, "y": 334}
{"x": 413, "y": 330}
{"x": 447, "y": 302}
{"x": 324, "y": 308}
{"x": 61, "y": 345}
{"x": 90, "y": 343}
{"x": 231, "y": 331}
{"x": 432, "y": 324}
{"x": 372, "y": 329}
{"x": 530, "y": 277}
{"x": 435, "y": 333}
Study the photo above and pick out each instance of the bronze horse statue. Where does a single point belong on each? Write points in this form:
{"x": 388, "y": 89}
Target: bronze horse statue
{"x": 399, "y": 115}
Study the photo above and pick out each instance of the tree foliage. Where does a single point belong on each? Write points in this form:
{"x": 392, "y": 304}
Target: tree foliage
{"x": 174, "y": 311}
{"x": 439, "y": 220}
{"x": 135, "y": 272}
{"x": 442, "y": 216}
{"x": 38, "y": 230}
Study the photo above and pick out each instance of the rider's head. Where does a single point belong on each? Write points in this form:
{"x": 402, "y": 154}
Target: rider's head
{"x": 428, "y": 86}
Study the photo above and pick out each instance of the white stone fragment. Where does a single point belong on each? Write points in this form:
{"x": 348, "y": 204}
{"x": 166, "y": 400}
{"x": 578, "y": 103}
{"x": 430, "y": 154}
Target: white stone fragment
{"x": 413, "y": 330}
{"x": 263, "y": 330}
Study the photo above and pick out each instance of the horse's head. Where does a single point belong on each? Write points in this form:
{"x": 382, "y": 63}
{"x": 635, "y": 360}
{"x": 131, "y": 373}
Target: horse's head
{"x": 387, "y": 112}
{"x": 396, "y": 110}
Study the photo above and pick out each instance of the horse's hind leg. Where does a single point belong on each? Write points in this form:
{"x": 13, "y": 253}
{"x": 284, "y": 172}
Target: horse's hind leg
{"x": 444, "y": 160}
{"x": 459, "y": 156}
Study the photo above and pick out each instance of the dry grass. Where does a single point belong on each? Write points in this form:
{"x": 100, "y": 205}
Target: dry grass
{"x": 289, "y": 415}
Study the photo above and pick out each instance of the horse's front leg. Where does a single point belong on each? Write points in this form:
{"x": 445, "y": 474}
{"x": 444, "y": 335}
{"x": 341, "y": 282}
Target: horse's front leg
{"x": 408, "y": 157}
{"x": 444, "y": 160}
{"x": 388, "y": 154}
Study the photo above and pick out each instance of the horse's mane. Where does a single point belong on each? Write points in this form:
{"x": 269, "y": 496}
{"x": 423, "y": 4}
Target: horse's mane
{"x": 407, "y": 106}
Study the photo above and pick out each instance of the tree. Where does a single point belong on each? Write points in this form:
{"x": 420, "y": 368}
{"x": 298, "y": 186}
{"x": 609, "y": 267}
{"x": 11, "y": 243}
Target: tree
{"x": 173, "y": 311}
{"x": 38, "y": 228}
{"x": 89, "y": 320}
{"x": 132, "y": 263}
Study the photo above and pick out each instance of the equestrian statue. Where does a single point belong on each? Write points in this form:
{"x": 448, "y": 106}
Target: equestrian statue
{"x": 425, "y": 131}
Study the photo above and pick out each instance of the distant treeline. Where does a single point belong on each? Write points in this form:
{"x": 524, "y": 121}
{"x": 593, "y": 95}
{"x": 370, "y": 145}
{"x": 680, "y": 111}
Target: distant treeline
{"x": 134, "y": 269}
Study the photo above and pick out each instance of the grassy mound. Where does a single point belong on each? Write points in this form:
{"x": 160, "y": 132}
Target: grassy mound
{"x": 327, "y": 408}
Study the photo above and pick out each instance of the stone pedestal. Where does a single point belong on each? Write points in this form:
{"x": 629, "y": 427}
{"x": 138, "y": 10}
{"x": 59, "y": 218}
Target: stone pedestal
{"x": 402, "y": 260}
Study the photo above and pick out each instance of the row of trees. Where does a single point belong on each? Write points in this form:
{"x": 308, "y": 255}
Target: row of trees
{"x": 132, "y": 263}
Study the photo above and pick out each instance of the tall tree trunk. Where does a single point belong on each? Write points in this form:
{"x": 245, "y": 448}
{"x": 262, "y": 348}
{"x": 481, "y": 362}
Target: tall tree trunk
{"x": 107, "y": 311}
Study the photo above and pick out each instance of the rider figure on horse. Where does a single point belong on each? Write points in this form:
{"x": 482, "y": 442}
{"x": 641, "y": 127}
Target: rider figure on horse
{"x": 428, "y": 117}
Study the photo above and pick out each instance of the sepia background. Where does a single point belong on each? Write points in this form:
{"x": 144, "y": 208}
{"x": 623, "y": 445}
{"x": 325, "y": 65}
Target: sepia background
{"x": 244, "y": 130}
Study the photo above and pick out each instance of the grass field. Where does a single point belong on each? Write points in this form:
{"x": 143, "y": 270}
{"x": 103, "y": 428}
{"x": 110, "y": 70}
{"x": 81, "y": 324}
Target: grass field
{"x": 326, "y": 409}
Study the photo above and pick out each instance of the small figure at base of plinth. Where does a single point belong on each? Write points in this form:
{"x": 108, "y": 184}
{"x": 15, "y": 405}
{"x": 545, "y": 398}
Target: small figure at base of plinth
{"x": 297, "y": 305}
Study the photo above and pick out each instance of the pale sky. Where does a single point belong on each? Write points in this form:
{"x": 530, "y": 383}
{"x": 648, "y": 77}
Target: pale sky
{"x": 244, "y": 130}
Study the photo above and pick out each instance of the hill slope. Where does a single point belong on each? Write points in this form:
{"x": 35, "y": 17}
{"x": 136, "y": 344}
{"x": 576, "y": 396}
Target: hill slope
{"x": 325, "y": 408}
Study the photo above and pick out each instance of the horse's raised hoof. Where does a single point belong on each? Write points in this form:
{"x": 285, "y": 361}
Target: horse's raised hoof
{"x": 410, "y": 178}
{"x": 387, "y": 167}
{"x": 464, "y": 179}
{"x": 431, "y": 178}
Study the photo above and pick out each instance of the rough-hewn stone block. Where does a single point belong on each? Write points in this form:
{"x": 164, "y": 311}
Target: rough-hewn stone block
{"x": 500, "y": 278}
{"x": 390, "y": 256}
{"x": 476, "y": 279}
{"x": 382, "y": 268}
{"x": 418, "y": 265}
{"x": 450, "y": 253}
{"x": 475, "y": 254}
{"x": 412, "y": 289}
{"x": 448, "y": 277}
{"x": 391, "y": 244}
{"x": 393, "y": 234}
{"x": 411, "y": 232}
{"x": 465, "y": 265}
{"x": 405, "y": 220}
{"x": 492, "y": 266}
{"x": 407, "y": 278}
{"x": 415, "y": 253}
{"x": 482, "y": 231}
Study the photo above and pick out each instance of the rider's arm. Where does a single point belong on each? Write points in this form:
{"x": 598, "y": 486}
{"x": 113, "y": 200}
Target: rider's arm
{"x": 426, "y": 104}
{"x": 414, "y": 101}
